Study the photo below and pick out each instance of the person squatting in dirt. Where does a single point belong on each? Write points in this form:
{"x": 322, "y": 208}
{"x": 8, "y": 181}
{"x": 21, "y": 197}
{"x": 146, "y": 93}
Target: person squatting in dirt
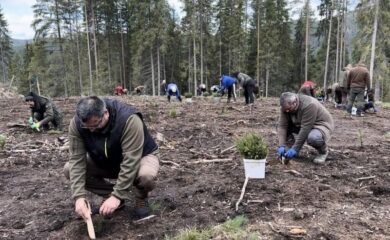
{"x": 173, "y": 90}
{"x": 369, "y": 106}
{"x": 303, "y": 118}
{"x": 119, "y": 90}
{"x": 139, "y": 90}
{"x": 43, "y": 112}
{"x": 228, "y": 83}
{"x": 109, "y": 139}
{"x": 248, "y": 84}
{"x": 358, "y": 82}
{"x": 308, "y": 88}
{"x": 201, "y": 89}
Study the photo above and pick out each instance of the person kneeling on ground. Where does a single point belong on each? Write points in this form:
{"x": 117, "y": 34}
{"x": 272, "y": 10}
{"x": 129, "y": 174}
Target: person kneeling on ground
{"x": 201, "y": 89}
{"x": 172, "y": 90}
{"x": 108, "y": 139}
{"x": 230, "y": 84}
{"x": 309, "y": 119}
{"x": 43, "y": 112}
{"x": 369, "y": 106}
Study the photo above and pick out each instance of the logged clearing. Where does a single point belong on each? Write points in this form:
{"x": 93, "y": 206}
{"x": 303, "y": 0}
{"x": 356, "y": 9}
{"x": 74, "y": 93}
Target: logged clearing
{"x": 346, "y": 198}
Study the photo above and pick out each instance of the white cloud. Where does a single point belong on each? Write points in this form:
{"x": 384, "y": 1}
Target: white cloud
{"x": 178, "y": 6}
{"x": 19, "y": 16}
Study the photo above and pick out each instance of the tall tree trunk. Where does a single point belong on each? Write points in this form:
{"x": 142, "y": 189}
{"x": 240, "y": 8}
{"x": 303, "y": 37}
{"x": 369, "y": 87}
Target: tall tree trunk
{"x": 372, "y": 59}
{"x": 158, "y": 71}
{"x": 152, "y": 69}
{"x": 338, "y": 39}
{"x": 123, "y": 75}
{"x": 64, "y": 72}
{"x": 201, "y": 54}
{"x": 258, "y": 47}
{"x": 194, "y": 56}
{"x": 307, "y": 39}
{"x": 89, "y": 53}
{"x": 220, "y": 54}
{"x": 94, "y": 28}
{"x": 327, "y": 51}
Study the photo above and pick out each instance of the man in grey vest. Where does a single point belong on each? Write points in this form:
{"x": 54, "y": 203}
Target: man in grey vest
{"x": 309, "y": 120}
{"x": 108, "y": 139}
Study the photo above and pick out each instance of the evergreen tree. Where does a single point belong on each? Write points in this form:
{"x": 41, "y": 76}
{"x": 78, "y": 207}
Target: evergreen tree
{"x": 5, "y": 47}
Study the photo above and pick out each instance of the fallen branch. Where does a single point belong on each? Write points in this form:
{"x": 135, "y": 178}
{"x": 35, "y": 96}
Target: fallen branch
{"x": 169, "y": 162}
{"x": 365, "y": 178}
{"x": 212, "y": 160}
{"x": 294, "y": 172}
{"x": 227, "y": 149}
{"x": 242, "y": 193}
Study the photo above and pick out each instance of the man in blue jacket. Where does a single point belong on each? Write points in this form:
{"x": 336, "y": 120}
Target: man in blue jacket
{"x": 173, "y": 90}
{"x": 230, "y": 84}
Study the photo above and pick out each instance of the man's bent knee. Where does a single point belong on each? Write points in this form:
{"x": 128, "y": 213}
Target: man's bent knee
{"x": 315, "y": 138}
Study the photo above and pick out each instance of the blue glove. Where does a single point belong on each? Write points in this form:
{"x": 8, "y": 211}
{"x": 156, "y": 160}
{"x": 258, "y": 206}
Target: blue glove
{"x": 291, "y": 153}
{"x": 281, "y": 150}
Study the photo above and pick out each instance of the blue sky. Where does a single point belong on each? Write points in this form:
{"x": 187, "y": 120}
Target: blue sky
{"x": 19, "y": 15}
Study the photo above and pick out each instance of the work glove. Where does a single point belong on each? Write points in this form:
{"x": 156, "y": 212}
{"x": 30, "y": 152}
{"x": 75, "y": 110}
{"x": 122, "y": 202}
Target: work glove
{"x": 281, "y": 150}
{"x": 291, "y": 153}
{"x": 35, "y": 126}
{"x": 31, "y": 120}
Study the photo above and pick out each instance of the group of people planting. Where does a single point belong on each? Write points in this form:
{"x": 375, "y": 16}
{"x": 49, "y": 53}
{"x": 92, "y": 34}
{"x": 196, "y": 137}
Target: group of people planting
{"x": 108, "y": 139}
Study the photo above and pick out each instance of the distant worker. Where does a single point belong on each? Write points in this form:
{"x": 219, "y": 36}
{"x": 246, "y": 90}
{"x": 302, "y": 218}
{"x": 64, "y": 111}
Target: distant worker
{"x": 309, "y": 119}
{"x": 215, "y": 88}
{"x": 173, "y": 90}
{"x": 369, "y": 106}
{"x": 163, "y": 86}
{"x": 201, "y": 89}
{"x": 230, "y": 84}
{"x": 119, "y": 90}
{"x": 248, "y": 84}
{"x": 139, "y": 90}
{"x": 358, "y": 82}
{"x": 308, "y": 88}
{"x": 43, "y": 112}
{"x": 343, "y": 81}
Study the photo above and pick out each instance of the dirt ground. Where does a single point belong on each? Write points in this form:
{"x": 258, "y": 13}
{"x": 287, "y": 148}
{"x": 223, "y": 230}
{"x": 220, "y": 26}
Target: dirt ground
{"x": 346, "y": 198}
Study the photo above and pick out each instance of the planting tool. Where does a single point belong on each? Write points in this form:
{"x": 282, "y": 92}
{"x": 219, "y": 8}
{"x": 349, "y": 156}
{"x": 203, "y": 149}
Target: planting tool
{"x": 91, "y": 230}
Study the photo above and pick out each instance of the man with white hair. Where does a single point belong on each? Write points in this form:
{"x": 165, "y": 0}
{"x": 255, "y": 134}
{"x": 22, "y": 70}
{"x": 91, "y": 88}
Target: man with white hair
{"x": 309, "y": 120}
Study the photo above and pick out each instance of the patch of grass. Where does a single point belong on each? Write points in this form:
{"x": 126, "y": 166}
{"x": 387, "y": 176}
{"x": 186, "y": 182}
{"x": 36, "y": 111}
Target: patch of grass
{"x": 173, "y": 113}
{"x": 235, "y": 229}
{"x": 206, "y": 94}
{"x": 155, "y": 206}
{"x": 188, "y": 95}
{"x": 3, "y": 140}
{"x": 387, "y": 135}
{"x": 386, "y": 105}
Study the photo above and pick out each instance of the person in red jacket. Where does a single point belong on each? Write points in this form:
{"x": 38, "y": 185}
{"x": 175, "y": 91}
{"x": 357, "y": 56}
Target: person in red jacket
{"x": 308, "y": 88}
{"x": 119, "y": 90}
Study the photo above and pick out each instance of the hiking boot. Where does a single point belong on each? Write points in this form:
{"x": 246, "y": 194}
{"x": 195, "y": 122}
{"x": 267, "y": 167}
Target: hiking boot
{"x": 141, "y": 208}
{"x": 321, "y": 158}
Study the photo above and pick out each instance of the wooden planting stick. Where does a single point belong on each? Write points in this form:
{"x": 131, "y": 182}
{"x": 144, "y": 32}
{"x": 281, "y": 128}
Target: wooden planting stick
{"x": 91, "y": 230}
{"x": 213, "y": 160}
{"x": 242, "y": 193}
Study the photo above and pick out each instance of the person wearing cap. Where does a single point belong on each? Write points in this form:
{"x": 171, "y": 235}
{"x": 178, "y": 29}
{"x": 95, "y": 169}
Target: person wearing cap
{"x": 308, "y": 88}
{"x": 309, "y": 120}
{"x": 108, "y": 139}
{"x": 43, "y": 112}
{"x": 173, "y": 90}
{"x": 228, "y": 83}
{"x": 248, "y": 84}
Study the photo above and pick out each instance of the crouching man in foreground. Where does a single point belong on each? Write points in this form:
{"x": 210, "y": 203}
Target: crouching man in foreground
{"x": 108, "y": 139}
{"x": 308, "y": 120}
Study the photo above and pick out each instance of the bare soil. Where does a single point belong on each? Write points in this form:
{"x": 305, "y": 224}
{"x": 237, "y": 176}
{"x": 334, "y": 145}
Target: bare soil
{"x": 346, "y": 198}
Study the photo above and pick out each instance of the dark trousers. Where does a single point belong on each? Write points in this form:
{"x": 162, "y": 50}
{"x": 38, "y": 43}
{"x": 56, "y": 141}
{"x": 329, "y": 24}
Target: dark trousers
{"x": 57, "y": 120}
{"x": 248, "y": 91}
{"x": 315, "y": 139}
